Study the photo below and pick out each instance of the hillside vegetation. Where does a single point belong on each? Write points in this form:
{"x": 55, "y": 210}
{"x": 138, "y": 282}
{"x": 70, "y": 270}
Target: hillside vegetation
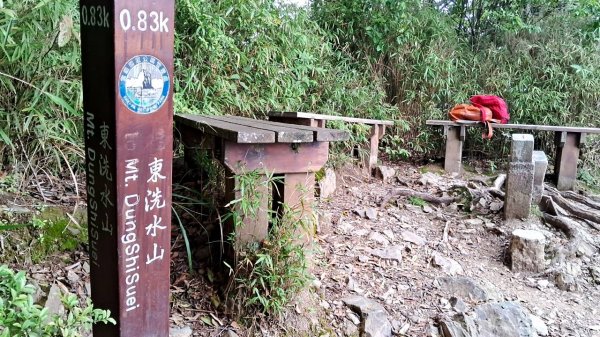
{"x": 404, "y": 60}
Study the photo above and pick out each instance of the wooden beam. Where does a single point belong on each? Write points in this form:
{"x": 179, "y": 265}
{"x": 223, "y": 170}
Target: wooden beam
{"x": 223, "y": 129}
{"x": 308, "y": 115}
{"x": 127, "y": 68}
{"x": 276, "y": 158}
{"x": 520, "y": 126}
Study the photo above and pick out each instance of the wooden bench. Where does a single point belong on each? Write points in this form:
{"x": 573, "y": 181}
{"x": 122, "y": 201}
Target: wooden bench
{"x": 568, "y": 142}
{"x": 292, "y": 152}
{"x": 317, "y": 120}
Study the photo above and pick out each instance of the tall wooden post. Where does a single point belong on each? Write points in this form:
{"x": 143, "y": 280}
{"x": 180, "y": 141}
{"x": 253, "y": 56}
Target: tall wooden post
{"x": 127, "y": 56}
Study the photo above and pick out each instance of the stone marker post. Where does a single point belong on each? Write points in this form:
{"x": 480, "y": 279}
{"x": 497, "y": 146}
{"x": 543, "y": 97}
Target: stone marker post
{"x": 519, "y": 183}
{"x": 127, "y": 67}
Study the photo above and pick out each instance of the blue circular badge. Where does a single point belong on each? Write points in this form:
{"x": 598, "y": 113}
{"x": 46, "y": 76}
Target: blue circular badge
{"x": 144, "y": 84}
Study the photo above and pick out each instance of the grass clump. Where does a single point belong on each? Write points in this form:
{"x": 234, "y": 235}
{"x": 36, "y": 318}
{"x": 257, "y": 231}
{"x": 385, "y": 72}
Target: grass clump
{"x": 265, "y": 276}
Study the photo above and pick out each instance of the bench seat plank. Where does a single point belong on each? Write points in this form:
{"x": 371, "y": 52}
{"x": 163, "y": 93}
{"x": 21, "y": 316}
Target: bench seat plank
{"x": 233, "y": 132}
{"x": 320, "y": 134}
{"x": 308, "y": 115}
{"x": 520, "y": 126}
{"x": 283, "y": 134}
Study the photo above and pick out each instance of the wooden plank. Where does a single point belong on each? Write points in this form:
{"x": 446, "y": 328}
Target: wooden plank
{"x": 127, "y": 76}
{"x": 284, "y": 134}
{"x": 226, "y": 130}
{"x": 254, "y": 226}
{"x": 520, "y": 126}
{"x": 275, "y": 158}
{"x": 320, "y": 134}
{"x": 308, "y": 115}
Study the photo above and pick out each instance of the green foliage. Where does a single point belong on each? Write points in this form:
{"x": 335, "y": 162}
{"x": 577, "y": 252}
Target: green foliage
{"x": 40, "y": 87}
{"x": 47, "y": 232}
{"x": 416, "y": 201}
{"x": 543, "y": 57}
{"x": 232, "y": 57}
{"x": 21, "y": 317}
{"x": 265, "y": 276}
{"x": 186, "y": 205}
{"x": 251, "y": 57}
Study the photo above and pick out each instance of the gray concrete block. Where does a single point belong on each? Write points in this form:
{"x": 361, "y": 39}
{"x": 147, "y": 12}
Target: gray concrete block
{"x": 521, "y": 149}
{"x": 519, "y": 190}
{"x": 540, "y": 162}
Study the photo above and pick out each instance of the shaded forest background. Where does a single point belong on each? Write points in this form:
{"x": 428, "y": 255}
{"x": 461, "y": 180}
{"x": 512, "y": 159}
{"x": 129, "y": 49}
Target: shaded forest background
{"x": 406, "y": 60}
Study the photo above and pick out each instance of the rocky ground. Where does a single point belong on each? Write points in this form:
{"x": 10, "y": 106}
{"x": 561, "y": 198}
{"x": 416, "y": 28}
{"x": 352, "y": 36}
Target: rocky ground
{"x": 388, "y": 265}
{"x": 441, "y": 270}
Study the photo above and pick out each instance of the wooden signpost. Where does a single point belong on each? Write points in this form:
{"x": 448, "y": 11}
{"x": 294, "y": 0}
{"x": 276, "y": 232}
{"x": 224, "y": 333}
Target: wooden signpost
{"x": 127, "y": 56}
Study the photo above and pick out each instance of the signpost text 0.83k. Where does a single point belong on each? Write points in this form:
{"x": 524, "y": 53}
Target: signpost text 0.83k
{"x": 127, "y": 56}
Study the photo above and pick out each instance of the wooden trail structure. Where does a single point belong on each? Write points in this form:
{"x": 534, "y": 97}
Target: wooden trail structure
{"x": 127, "y": 65}
{"x": 568, "y": 143}
{"x": 318, "y": 120}
{"x": 291, "y": 152}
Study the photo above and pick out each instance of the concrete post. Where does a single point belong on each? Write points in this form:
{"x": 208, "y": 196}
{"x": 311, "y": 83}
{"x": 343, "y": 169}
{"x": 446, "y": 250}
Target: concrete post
{"x": 567, "y": 153}
{"x": 455, "y": 137}
{"x": 519, "y": 184}
{"x": 540, "y": 163}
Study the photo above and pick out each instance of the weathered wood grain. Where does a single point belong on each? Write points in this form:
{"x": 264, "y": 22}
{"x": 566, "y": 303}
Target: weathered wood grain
{"x": 308, "y": 115}
{"x": 520, "y": 126}
{"x": 229, "y": 131}
{"x": 275, "y": 158}
{"x": 284, "y": 134}
{"x": 321, "y": 134}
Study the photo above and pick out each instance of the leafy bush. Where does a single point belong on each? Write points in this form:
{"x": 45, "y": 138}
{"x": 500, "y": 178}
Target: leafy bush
{"x": 21, "y": 317}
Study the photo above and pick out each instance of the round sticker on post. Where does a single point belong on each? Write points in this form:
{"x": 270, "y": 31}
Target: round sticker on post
{"x": 144, "y": 84}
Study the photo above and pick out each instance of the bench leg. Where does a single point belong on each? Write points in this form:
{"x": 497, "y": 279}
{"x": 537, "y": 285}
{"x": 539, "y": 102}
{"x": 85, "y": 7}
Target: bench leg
{"x": 296, "y": 191}
{"x": 455, "y": 137}
{"x": 251, "y": 227}
{"x": 567, "y": 154}
{"x": 377, "y": 132}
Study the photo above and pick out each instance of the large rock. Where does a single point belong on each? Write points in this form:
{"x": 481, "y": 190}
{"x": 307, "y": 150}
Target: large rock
{"x": 538, "y": 325}
{"x": 463, "y": 287}
{"x": 371, "y": 213}
{"x": 54, "y": 303}
{"x": 527, "y": 251}
{"x": 389, "y": 253}
{"x": 413, "y": 238}
{"x": 504, "y": 319}
{"x": 185, "y": 331}
{"x": 327, "y": 184}
{"x": 385, "y": 173}
{"x": 448, "y": 265}
{"x": 374, "y": 320}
